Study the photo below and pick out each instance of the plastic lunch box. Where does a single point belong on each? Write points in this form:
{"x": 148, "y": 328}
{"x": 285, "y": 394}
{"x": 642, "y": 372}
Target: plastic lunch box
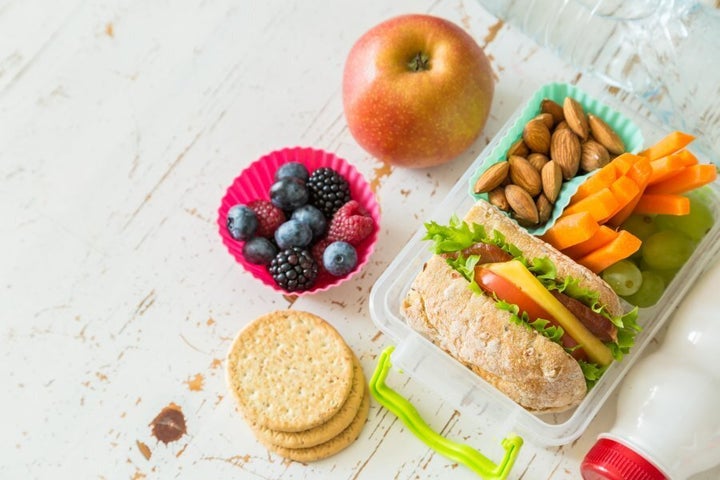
{"x": 423, "y": 361}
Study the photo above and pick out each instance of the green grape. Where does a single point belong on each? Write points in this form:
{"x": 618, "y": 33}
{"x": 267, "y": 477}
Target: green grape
{"x": 667, "y": 249}
{"x": 650, "y": 291}
{"x": 666, "y": 274}
{"x": 624, "y": 277}
{"x": 695, "y": 224}
{"x": 642, "y": 226}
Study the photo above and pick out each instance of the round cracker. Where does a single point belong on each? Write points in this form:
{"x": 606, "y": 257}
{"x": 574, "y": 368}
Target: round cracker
{"x": 332, "y": 446}
{"x": 326, "y": 431}
{"x": 289, "y": 371}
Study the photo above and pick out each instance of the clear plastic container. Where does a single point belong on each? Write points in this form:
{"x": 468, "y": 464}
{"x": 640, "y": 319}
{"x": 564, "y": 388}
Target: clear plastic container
{"x": 467, "y": 392}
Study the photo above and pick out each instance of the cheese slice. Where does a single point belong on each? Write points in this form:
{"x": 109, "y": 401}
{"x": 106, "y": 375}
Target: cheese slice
{"x": 515, "y": 272}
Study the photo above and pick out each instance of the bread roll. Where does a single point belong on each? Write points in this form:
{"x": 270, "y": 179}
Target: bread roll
{"x": 529, "y": 368}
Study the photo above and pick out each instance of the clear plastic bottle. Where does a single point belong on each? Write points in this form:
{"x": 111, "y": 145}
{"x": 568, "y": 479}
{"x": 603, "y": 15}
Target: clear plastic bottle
{"x": 668, "y": 421}
{"x": 664, "y": 52}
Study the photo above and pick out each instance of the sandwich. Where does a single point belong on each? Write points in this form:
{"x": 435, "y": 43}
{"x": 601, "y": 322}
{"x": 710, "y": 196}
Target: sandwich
{"x": 530, "y": 321}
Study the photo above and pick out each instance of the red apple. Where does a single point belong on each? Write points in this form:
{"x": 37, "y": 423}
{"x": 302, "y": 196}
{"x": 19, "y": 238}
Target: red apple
{"x": 417, "y": 91}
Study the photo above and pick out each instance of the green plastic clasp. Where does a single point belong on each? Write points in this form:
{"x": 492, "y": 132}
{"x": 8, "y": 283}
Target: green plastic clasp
{"x": 459, "y": 452}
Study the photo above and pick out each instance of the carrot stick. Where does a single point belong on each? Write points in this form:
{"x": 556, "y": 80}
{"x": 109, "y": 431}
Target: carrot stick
{"x": 624, "y": 162}
{"x": 689, "y": 178}
{"x": 668, "y": 204}
{"x": 601, "y": 205}
{"x": 625, "y": 191}
{"x": 687, "y": 157}
{"x": 624, "y": 245}
{"x": 571, "y": 230}
{"x": 665, "y": 167}
{"x": 671, "y": 143}
{"x": 599, "y": 180}
{"x": 603, "y": 236}
{"x": 639, "y": 173}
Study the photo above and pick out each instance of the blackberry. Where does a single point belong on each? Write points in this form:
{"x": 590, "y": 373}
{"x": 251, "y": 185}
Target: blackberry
{"x": 294, "y": 269}
{"x": 328, "y": 190}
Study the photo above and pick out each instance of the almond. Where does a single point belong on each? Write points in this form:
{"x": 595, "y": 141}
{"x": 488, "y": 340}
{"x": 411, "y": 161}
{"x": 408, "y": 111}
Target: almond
{"x": 518, "y": 148}
{"x": 593, "y": 156}
{"x": 522, "y": 204}
{"x": 536, "y": 136}
{"x": 537, "y": 160}
{"x": 492, "y": 177}
{"x": 605, "y": 135}
{"x": 566, "y": 151}
{"x": 547, "y": 119}
{"x": 544, "y": 208}
{"x": 561, "y": 125}
{"x": 554, "y": 109}
{"x": 496, "y": 197}
{"x": 551, "y": 176}
{"x": 524, "y": 175}
{"x": 575, "y": 117}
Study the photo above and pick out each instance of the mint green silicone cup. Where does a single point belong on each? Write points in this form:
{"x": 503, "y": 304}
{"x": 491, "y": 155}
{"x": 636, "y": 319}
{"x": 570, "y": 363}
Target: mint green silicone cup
{"x": 623, "y": 126}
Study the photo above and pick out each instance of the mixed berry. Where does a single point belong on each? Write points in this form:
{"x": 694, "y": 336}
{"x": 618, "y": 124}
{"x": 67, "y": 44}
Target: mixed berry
{"x": 328, "y": 190}
{"x": 339, "y": 258}
{"x": 310, "y": 227}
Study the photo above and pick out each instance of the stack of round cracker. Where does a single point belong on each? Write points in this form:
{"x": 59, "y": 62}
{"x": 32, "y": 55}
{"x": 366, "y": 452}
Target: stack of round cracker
{"x": 298, "y": 385}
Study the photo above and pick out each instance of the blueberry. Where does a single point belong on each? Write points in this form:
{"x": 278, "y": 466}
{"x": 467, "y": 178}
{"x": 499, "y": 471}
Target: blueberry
{"x": 293, "y": 234}
{"x": 339, "y": 258}
{"x": 292, "y": 169}
{"x": 313, "y": 217}
{"x": 259, "y": 250}
{"x": 289, "y": 193}
{"x": 241, "y": 222}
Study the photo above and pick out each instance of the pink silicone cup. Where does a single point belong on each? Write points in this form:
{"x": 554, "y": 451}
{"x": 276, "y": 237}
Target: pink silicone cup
{"x": 254, "y": 183}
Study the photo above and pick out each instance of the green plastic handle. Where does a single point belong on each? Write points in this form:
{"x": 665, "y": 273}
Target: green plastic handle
{"x": 459, "y": 452}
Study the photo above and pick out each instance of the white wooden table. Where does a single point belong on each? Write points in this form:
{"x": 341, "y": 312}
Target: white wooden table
{"x": 121, "y": 125}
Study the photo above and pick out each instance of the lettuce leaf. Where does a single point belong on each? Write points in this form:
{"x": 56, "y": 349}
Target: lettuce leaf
{"x": 454, "y": 237}
{"x": 592, "y": 372}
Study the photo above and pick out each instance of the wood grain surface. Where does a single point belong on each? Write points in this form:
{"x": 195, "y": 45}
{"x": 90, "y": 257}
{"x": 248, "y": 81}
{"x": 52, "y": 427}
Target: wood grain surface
{"x": 121, "y": 125}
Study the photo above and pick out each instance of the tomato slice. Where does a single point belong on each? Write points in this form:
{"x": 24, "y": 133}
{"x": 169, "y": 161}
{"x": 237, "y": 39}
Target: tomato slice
{"x": 507, "y": 291}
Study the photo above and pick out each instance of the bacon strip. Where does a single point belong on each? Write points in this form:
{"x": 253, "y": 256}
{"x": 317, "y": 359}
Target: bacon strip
{"x": 598, "y": 325}
{"x": 488, "y": 253}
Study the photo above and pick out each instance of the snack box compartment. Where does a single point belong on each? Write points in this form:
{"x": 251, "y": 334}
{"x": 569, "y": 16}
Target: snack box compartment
{"x": 456, "y": 384}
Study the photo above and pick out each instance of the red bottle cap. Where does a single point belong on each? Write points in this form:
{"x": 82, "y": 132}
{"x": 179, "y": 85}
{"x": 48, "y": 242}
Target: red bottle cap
{"x": 610, "y": 460}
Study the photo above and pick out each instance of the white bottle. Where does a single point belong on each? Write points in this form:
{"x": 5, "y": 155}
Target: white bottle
{"x": 668, "y": 418}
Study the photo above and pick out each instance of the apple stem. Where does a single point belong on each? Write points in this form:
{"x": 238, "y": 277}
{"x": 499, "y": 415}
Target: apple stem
{"x": 419, "y": 63}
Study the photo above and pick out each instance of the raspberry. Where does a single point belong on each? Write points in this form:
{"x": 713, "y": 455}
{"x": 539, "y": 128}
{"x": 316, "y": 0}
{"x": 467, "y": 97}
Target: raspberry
{"x": 351, "y": 224}
{"x": 269, "y": 217}
{"x": 328, "y": 190}
{"x": 318, "y": 249}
